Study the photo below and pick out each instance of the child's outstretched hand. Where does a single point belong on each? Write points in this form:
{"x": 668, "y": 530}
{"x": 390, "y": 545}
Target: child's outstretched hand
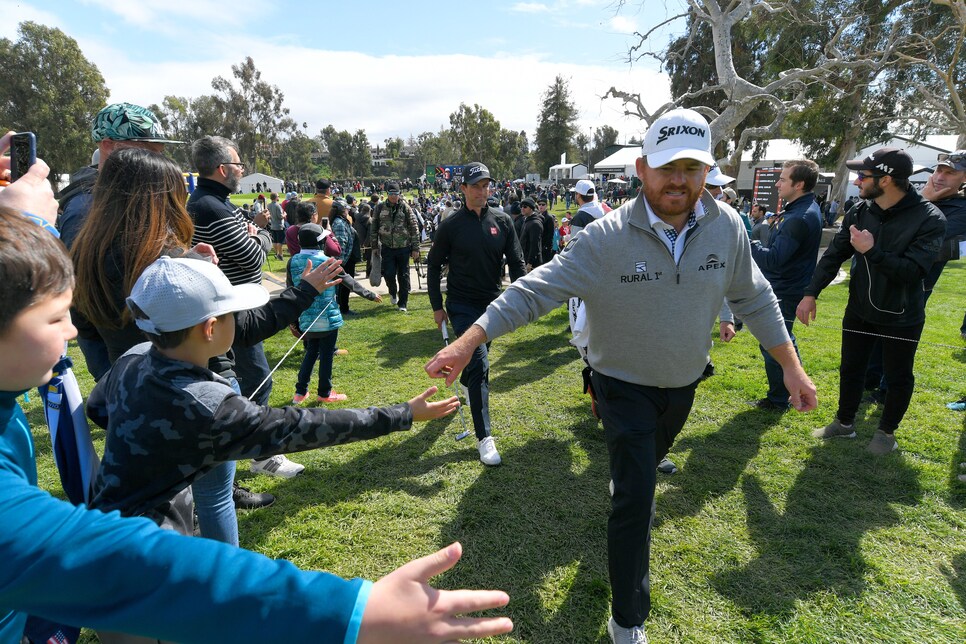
{"x": 403, "y": 607}
{"x": 425, "y": 410}
{"x": 324, "y": 275}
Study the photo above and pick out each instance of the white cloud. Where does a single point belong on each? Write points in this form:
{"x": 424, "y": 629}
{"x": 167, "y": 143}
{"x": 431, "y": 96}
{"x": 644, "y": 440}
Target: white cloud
{"x": 386, "y": 95}
{"x": 165, "y": 17}
{"x": 24, "y": 12}
{"x": 530, "y": 7}
{"x": 623, "y": 25}
{"x": 378, "y": 93}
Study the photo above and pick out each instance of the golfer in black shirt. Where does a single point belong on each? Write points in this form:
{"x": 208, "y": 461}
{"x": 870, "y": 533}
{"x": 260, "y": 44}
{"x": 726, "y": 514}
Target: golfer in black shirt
{"x": 473, "y": 241}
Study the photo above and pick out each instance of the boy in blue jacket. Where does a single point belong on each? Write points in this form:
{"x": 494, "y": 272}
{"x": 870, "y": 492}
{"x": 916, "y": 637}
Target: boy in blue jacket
{"x": 83, "y": 567}
{"x": 319, "y": 324}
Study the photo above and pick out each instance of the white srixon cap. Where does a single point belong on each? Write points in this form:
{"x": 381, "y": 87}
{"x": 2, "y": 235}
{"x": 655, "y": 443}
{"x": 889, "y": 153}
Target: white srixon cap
{"x": 179, "y": 293}
{"x": 679, "y": 134}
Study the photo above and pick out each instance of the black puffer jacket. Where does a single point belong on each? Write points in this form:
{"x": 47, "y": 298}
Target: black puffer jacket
{"x": 886, "y": 284}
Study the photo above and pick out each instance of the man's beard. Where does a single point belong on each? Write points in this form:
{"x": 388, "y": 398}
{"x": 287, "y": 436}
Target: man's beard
{"x": 872, "y": 192}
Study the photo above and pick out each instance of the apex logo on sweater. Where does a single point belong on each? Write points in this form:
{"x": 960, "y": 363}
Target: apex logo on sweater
{"x": 640, "y": 274}
{"x": 712, "y": 263}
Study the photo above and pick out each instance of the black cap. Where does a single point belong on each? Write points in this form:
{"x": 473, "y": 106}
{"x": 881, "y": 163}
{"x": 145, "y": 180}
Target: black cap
{"x": 475, "y": 172}
{"x": 391, "y": 187}
{"x": 891, "y": 161}
{"x": 528, "y": 203}
{"x": 350, "y": 199}
{"x": 310, "y": 235}
{"x": 955, "y": 160}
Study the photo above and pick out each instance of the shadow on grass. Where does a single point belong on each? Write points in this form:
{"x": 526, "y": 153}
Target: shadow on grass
{"x": 533, "y": 526}
{"x": 957, "y": 577}
{"x": 957, "y": 491}
{"x": 398, "y": 347}
{"x": 389, "y": 466}
{"x": 524, "y": 360}
{"x": 815, "y": 544}
{"x": 395, "y": 347}
{"x": 715, "y": 463}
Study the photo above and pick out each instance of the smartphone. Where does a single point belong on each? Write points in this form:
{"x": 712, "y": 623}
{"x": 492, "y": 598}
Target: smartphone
{"x": 23, "y": 154}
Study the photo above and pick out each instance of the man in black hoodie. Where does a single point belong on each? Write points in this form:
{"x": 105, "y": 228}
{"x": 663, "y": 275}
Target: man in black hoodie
{"x": 894, "y": 237}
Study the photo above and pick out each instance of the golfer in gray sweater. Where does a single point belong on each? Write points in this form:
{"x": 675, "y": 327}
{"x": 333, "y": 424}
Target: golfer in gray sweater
{"x": 652, "y": 275}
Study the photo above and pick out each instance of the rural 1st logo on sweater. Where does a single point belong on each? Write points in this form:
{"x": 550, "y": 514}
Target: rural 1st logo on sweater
{"x": 640, "y": 274}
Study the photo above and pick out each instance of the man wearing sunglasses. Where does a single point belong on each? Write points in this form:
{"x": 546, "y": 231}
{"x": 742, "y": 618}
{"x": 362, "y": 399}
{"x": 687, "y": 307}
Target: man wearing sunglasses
{"x": 893, "y": 236}
{"x": 944, "y": 189}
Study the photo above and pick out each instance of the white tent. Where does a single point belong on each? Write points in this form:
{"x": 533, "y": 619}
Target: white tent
{"x": 567, "y": 171}
{"x": 269, "y": 184}
{"x": 621, "y": 162}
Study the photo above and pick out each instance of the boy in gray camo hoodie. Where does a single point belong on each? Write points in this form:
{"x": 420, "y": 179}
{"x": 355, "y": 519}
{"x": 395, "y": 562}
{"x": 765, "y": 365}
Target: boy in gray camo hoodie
{"x": 169, "y": 419}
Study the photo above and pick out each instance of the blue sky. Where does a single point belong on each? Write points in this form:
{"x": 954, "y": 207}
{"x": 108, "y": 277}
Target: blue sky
{"x": 391, "y": 68}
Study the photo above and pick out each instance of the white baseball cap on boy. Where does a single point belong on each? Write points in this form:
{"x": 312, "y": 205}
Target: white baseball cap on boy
{"x": 679, "y": 134}
{"x": 179, "y": 293}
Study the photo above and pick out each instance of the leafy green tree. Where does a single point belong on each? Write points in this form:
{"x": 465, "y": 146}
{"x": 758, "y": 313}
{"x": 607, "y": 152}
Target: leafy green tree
{"x": 556, "y": 126}
{"x": 506, "y": 162}
{"x": 848, "y": 110}
{"x": 393, "y": 147}
{"x": 294, "y": 160}
{"x": 928, "y": 85}
{"x": 254, "y": 114}
{"x": 604, "y": 137}
{"x": 186, "y": 119}
{"x": 340, "y": 148}
{"x": 430, "y": 148}
{"x": 49, "y": 88}
{"x": 361, "y": 154}
{"x": 476, "y": 134}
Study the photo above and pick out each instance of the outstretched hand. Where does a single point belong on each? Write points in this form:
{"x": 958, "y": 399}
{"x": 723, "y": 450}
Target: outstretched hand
{"x": 404, "y": 608}
{"x": 323, "y": 276}
{"x": 801, "y": 392}
{"x": 450, "y": 360}
{"x": 425, "y": 410}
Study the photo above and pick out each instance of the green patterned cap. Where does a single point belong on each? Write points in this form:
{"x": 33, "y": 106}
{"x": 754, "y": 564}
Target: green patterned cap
{"x": 127, "y": 122}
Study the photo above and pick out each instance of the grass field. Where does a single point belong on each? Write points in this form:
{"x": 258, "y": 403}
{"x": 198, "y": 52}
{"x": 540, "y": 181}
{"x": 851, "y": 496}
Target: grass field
{"x": 765, "y": 535}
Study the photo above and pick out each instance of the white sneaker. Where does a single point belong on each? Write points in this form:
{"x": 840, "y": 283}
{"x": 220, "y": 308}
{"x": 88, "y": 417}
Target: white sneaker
{"x": 488, "y": 453}
{"x": 392, "y": 298}
{"x": 621, "y": 635}
{"x": 277, "y": 465}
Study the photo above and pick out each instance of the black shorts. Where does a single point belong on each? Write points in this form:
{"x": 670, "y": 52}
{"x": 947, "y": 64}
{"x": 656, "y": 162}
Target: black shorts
{"x": 278, "y": 236}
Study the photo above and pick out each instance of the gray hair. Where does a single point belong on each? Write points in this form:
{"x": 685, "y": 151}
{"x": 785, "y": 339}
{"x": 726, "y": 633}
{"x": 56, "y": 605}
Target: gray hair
{"x": 209, "y": 152}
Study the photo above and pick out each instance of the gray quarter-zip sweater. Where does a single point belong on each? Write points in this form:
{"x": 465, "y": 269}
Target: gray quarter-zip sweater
{"x": 649, "y": 319}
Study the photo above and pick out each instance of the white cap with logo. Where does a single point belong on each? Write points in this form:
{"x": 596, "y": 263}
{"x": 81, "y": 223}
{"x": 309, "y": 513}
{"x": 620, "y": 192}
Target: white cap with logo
{"x": 179, "y": 293}
{"x": 716, "y": 177}
{"x": 584, "y": 187}
{"x": 678, "y": 134}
